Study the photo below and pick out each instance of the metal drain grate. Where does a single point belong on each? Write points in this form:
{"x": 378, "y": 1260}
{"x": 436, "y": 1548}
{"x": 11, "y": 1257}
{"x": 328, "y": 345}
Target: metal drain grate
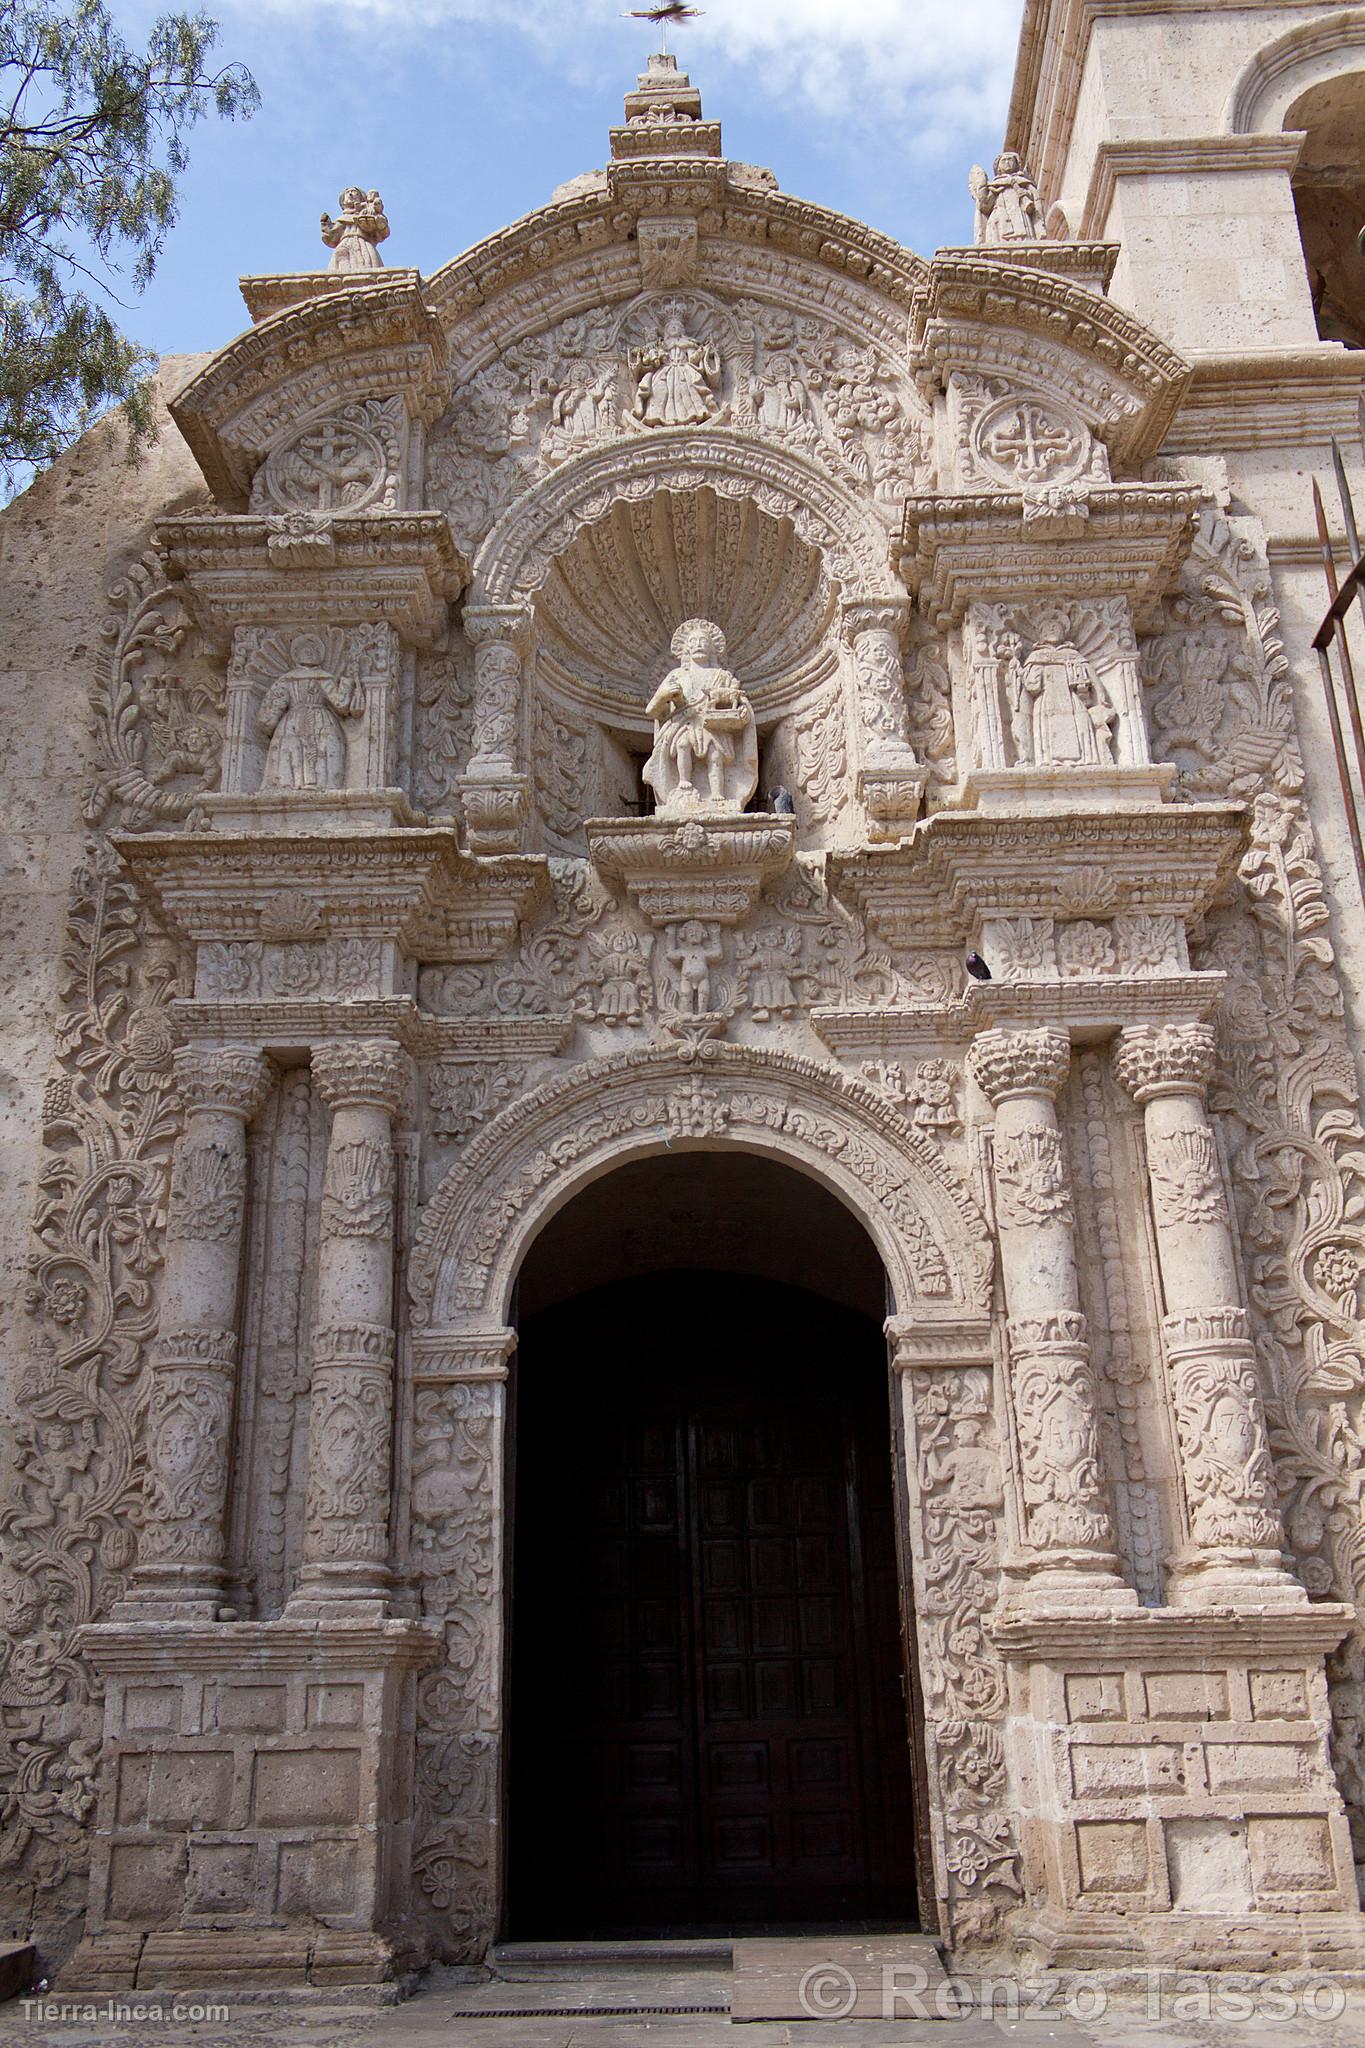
{"x": 588, "y": 2012}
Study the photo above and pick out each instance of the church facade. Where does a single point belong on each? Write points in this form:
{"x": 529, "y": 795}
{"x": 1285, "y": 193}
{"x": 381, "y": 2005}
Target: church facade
{"x": 686, "y": 1201}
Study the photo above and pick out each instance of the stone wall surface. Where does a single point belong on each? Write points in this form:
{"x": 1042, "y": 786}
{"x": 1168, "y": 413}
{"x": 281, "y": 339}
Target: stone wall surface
{"x": 591, "y": 703}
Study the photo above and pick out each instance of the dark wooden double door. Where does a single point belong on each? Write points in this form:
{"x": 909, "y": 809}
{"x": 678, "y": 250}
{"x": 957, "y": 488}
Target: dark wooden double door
{"x": 708, "y": 1724}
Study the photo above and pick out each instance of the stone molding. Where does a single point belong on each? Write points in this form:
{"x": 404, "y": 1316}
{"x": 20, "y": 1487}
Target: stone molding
{"x": 1197, "y": 156}
{"x": 517, "y": 556}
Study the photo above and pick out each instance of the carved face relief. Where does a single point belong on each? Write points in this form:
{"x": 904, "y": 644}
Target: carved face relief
{"x": 1031, "y": 1178}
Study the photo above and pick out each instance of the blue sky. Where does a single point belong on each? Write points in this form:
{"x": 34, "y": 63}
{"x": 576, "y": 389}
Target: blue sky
{"x": 467, "y": 114}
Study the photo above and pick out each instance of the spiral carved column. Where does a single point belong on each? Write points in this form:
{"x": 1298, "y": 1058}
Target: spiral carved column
{"x": 1067, "y": 1530}
{"x": 345, "y": 1566}
{"x": 1235, "y": 1535}
{"x": 181, "y": 1561}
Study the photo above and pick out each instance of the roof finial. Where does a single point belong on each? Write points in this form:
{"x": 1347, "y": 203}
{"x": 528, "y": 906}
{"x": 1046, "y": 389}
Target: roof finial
{"x": 663, "y": 115}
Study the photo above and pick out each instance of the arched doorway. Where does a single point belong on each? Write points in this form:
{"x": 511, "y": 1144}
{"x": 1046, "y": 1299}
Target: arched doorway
{"x": 708, "y": 1681}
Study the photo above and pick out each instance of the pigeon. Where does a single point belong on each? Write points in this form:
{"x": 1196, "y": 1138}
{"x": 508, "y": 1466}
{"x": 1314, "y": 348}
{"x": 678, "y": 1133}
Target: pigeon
{"x": 782, "y": 802}
{"x": 977, "y": 967}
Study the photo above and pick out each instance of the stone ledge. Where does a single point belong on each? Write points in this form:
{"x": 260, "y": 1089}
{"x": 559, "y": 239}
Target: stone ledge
{"x": 1239, "y": 1632}
{"x": 135, "y": 1647}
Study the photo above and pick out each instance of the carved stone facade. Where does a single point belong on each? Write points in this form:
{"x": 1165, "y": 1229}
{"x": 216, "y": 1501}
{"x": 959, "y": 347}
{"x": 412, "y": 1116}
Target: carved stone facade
{"x": 587, "y": 705}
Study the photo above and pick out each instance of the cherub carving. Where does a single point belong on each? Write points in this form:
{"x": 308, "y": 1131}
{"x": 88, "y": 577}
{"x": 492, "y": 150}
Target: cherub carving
{"x": 694, "y": 949}
{"x": 352, "y": 236}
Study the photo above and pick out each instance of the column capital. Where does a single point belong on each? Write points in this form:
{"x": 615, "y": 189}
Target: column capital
{"x": 234, "y": 1079}
{"x": 493, "y": 624}
{"x": 1167, "y": 1059}
{"x": 356, "y": 1073}
{"x": 875, "y": 615}
{"x": 1007, "y": 1063}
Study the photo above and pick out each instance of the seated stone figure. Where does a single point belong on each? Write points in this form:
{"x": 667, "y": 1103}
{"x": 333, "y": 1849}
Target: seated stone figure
{"x": 704, "y": 729}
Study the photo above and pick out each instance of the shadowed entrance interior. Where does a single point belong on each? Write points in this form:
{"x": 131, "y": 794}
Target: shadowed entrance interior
{"x": 708, "y": 1722}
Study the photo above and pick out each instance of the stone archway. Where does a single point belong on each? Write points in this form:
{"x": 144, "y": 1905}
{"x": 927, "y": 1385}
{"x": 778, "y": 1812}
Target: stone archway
{"x": 934, "y": 1244}
{"x": 516, "y": 557}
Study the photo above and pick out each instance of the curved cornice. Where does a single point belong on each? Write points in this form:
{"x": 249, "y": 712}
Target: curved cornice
{"x": 731, "y": 210}
{"x": 368, "y": 341}
{"x": 974, "y": 289}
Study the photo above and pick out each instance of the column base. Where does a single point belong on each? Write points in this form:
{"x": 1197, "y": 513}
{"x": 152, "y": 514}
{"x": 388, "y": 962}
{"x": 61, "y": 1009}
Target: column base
{"x": 176, "y": 1592}
{"x": 1232, "y": 1578}
{"x": 1067, "y": 1582}
{"x": 341, "y": 1592}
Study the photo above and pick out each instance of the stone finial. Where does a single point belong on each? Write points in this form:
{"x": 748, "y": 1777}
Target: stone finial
{"x": 1008, "y": 205}
{"x": 664, "y": 117}
{"x": 353, "y": 236}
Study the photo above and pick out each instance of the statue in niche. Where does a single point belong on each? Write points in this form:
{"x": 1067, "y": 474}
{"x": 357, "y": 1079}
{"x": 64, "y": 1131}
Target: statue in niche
{"x": 703, "y": 721}
{"x": 1008, "y": 206}
{"x": 353, "y": 235}
{"x": 678, "y": 378}
{"x": 1058, "y": 713}
{"x": 303, "y": 712}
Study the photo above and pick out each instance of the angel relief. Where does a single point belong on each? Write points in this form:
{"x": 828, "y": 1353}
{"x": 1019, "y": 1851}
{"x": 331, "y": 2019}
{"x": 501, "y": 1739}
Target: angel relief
{"x": 677, "y": 379}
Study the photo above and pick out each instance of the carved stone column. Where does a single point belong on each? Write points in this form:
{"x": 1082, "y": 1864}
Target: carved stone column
{"x": 891, "y": 778}
{"x": 1067, "y": 1531}
{"x": 495, "y": 791}
{"x": 181, "y": 1564}
{"x": 345, "y": 1566}
{"x": 1235, "y": 1536}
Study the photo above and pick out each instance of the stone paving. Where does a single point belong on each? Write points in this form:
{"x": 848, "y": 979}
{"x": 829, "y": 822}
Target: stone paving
{"x": 438, "y": 2016}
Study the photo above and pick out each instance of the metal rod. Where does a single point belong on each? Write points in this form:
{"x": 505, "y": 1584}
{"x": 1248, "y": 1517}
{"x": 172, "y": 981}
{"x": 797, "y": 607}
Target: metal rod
{"x": 1348, "y": 510}
{"x": 1329, "y": 569}
{"x": 1329, "y": 691}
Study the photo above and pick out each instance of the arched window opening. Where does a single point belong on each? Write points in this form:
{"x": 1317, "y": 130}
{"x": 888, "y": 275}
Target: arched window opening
{"x": 1329, "y": 197}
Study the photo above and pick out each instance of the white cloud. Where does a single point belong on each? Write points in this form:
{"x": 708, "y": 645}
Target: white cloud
{"x": 940, "y": 65}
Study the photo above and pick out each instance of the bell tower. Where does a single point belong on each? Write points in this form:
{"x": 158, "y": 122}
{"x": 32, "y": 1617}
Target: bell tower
{"x": 1225, "y": 154}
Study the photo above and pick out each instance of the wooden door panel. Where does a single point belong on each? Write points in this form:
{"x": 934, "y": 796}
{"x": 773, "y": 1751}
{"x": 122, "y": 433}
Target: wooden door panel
{"x": 707, "y": 1723}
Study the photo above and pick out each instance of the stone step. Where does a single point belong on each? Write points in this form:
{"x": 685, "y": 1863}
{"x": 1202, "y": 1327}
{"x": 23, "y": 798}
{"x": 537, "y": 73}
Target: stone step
{"x": 18, "y": 1967}
{"x": 515, "y": 1961}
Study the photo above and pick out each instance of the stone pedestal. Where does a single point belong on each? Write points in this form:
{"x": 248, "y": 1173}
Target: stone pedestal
{"x": 1177, "y": 1803}
{"x": 255, "y": 1804}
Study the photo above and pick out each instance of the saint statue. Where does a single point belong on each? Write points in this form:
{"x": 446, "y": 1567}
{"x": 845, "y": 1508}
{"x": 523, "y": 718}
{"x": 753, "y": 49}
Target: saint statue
{"x": 1008, "y": 207}
{"x": 678, "y": 379}
{"x": 703, "y": 721}
{"x": 1058, "y": 713}
{"x": 353, "y": 236}
{"x": 302, "y": 711}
